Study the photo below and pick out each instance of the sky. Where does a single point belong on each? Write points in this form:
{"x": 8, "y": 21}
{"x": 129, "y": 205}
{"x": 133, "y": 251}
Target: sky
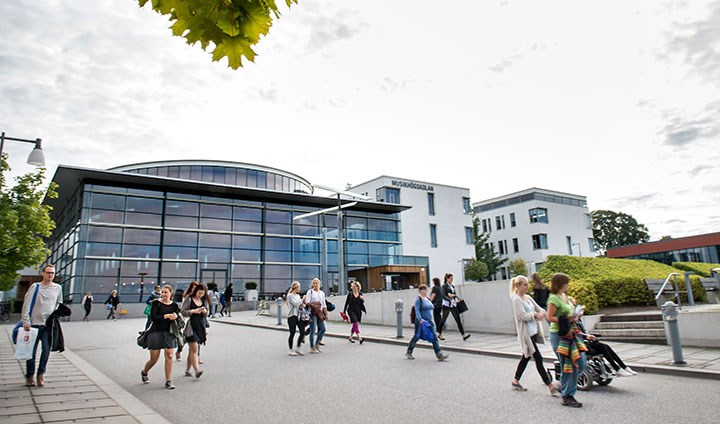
{"x": 615, "y": 100}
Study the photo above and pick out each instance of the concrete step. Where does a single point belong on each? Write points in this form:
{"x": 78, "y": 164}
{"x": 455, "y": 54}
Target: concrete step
{"x": 644, "y": 340}
{"x": 632, "y": 332}
{"x": 643, "y": 316}
{"x": 629, "y": 325}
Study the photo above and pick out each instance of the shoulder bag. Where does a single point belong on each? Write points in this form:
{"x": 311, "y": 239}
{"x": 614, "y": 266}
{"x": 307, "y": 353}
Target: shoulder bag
{"x": 461, "y": 306}
{"x": 19, "y": 324}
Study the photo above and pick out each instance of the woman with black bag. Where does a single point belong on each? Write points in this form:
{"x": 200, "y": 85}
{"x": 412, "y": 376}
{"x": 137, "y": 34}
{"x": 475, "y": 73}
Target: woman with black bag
{"x": 354, "y": 307}
{"x": 450, "y": 306}
{"x": 436, "y": 299}
{"x": 112, "y": 303}
{"x": 158, "y": 337}
{"x": 195, "y": 306}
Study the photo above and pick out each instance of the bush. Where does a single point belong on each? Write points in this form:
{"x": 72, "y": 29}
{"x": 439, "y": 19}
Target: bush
{"x": 616, "y": 282}
{"x": 700, "y": 268}
{"x": 584, "y": 294}
{"x": 250, "y": 285}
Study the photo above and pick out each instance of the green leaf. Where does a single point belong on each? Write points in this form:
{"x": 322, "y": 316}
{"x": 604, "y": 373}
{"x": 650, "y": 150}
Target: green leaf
{"x": 234, "y": 48}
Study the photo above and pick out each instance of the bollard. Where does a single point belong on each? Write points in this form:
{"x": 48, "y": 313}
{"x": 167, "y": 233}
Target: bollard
{"x": 399, "y": 311}
{"x": 279, "y": 302}
{"x": 670, "y": 317}
{"x": 688, "y": 287}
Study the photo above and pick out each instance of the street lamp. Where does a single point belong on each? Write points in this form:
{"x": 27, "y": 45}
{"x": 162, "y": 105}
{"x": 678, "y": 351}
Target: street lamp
{"x": 36, "y": 157}
{"x": 142, "y": 283}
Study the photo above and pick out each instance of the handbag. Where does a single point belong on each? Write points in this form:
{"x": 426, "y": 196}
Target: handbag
{"x": 329, "y": 305}
{"x": 142, "y": 338}
{"x": 148, "y": 307}
{"x": 108, "y": 306}
{"x": 19, "y": 324}
{"x": 26, "y": 344}
{"x": 462, "y": 306}
{"x": 303, "y": 314}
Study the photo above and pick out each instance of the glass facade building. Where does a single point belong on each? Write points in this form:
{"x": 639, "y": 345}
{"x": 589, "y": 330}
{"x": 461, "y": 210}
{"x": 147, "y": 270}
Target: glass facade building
{"x": 114, "y": 225}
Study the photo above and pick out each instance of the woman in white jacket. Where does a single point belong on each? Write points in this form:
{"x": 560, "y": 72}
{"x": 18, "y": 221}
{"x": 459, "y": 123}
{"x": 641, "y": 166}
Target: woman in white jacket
{"x": 527, "y": 316}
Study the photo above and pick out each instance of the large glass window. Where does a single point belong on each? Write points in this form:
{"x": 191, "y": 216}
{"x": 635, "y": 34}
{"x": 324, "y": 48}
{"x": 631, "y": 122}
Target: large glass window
{"x": 277, "y": 278}
{"x": 179, "y": 270}
{"x": 278, "y": 249}
{"x": 469, "y": 236}
{"x": 247, "y": 248}
{"x": 144, "y": 204}
{"x": 179, "y": 207}
{"x": 356, "y": 227}
{"x": 104, "y": 234}
{"x": 306, "y": 250}
{"x": 388, "y": 195}
{"x": 103, "y": 249}
{"x": 538, "y": 215}
{"x": 306, "y": 226}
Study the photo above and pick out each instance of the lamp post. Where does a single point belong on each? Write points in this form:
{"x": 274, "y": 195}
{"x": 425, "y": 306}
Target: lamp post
{"x": 36, "y": 157}
{"x": 142, "y": 283}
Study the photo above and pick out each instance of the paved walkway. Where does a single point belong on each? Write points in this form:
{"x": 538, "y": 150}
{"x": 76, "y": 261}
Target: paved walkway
{"x": 74, "y": 392}
{"x": 701, "y": 362}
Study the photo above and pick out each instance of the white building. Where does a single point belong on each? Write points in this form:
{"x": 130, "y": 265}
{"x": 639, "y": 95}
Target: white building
{"x": 535, "y": 223}
{"x": 439, "y": 224}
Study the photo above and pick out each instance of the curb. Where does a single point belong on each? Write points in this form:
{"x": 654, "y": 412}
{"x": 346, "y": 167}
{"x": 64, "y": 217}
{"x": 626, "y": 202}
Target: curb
{"x": 650, "y": 369}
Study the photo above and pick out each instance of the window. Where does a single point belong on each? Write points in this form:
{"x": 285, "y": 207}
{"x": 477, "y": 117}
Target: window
{"x": 388, "y": 195}
{"x": 591, "y": 243}
{"x": 485, "y": 225}
{"x": 516, "y": 247}
{"x": 433, "y": 235}
{"x": 539, "y": 241}
{"x": 569, "y": 245}
{"x": 504, "y": 274}
{"x": 588, "y": 221}
{"x": 538, "y": 215}
{"x": 500, "y": 222}
{"x": 431, "y": 203}
{"x": 502, "y": 247}
{"x": 469, "y": 236}
{"x": 512, "y": 219}
{"x": 466, "y": 205}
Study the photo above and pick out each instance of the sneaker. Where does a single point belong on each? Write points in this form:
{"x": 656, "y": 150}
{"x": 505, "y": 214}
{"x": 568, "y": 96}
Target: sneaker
{"x": 292, "y": 353}
{"x": 466, "y": 336}
{"x": 554, "y": 389}
{"x": 409, "y": 355}
{"x": 440, "y": 337}
{"x": 199, "y": 373}
{"x": 622, "y": 373}
{"x": 518, "y": 387}
{"x": 321, "y": 343}
{"x": 314, "y": 350}
{"x": 144, "y": 377}
{"x": 442, "y": 356}
{"x": 630, "y": 370}
{"x": 571, "y": 402}
{"x": 200, "y": 361}
{"x": 188, "y": 373}
{"x": 169, "y": 385}
{"x": 298, "y": 352}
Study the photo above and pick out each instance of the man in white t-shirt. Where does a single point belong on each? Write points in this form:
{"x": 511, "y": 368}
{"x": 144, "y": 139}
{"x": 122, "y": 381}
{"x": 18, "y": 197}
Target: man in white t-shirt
{"x": 48, "y": 297}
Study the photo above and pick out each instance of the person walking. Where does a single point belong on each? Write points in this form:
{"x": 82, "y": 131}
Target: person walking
{"x": 315, "y": 299}
{"x": 354, "y": 307}
{"x": 188, "y": 291}
{"x": 568, "y": 346}
{"x": 163, "y": 313}
{"x": 436, "y": 298}
{"x": 527, "y": 313}
{"x": 112, "y": 303}
{"x": 48, "y": 296}
{"x": 87, "y": 305}
{"x": 449, "y": 306}
{"x": 295, "y": 302}
{"x": 214, "y": 300}
{"x": 195, "y": 306}
{"x": 228, "y": 300}
{"x": 540, "y": 291}
{"x": 424, "y": 316}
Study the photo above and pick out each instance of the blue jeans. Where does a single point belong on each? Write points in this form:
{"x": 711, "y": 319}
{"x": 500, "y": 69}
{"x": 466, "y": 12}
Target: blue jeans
{"x": 568, "y": 380}
{"x": 414, "y": 340}
{"x": 44, "y": 338}
{"x": 320, "y": 325}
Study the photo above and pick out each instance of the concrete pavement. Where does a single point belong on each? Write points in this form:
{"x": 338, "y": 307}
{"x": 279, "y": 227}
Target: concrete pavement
{"x": 75, "y": 392}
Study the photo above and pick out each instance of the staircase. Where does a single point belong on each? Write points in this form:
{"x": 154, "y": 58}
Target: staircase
{"x": 636, "y": 327}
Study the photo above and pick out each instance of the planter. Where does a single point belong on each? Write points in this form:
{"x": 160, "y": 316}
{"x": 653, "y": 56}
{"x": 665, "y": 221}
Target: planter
{"x": 251, "y": 295}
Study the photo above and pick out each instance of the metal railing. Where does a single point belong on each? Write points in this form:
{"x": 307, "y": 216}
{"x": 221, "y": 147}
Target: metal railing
{"x": 671, "y": 277}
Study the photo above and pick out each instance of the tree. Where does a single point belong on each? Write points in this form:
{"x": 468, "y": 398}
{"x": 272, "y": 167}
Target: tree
{"x": 232, "y": 26}
{"x": 518, "y": 267}
{"x": 663, "y": 238}
{"x": 24, "y": 222}
{"x": 612, "y": 229}
{"x": 476, "y": 270}
{"x": 485, "y": 252}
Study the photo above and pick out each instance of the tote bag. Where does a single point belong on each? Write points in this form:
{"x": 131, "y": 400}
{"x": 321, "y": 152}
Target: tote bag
{"x": 25, "y": 343}
{"x": 19, "y": 324}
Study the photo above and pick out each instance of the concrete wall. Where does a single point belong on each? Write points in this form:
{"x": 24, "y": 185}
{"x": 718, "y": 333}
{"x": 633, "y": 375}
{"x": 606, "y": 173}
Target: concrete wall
{"x": 699, "y": 326}
{"x": 489, "y": 307}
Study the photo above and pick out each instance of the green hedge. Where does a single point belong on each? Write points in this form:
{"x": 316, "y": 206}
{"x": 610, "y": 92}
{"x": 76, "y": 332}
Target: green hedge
{"x": 700, "y": 268}
{"x": 613, "y": 282}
